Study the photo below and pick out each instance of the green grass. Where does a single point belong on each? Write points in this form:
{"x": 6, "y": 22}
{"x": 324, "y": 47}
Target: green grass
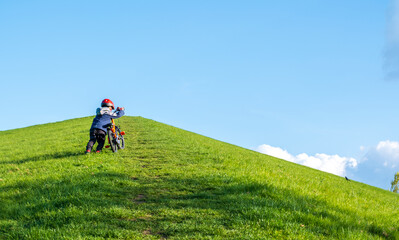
{"x": 173, "y": 184}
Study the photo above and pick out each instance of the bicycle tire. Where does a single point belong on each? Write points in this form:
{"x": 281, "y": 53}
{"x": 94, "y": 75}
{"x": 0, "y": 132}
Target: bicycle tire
{"x": 112, "y": 141}
{"x": 121, "y": 142}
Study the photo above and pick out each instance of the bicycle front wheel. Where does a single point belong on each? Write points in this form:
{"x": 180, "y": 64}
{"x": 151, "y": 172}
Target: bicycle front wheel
{"x": 112, "y": 140}
{"x": 121, "y": 140}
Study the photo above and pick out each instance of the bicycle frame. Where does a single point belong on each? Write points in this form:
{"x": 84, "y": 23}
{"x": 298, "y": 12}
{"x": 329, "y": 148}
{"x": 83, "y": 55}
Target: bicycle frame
{"x": 113, "y": 128}
{"x": 115, "y": 135}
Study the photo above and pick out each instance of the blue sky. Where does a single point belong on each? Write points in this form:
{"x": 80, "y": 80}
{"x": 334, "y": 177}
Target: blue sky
{"x": 296, "y": 77}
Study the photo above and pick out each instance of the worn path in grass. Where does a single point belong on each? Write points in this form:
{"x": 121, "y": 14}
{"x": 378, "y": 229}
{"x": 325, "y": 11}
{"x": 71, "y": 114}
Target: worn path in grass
{"x": 172, "y": 184}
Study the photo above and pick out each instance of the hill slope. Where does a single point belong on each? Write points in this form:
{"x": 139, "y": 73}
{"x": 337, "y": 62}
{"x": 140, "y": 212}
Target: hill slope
{"x": 172, "y": 184}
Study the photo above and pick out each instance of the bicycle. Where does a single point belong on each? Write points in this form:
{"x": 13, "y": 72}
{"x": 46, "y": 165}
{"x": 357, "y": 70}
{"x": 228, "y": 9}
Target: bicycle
{"x": 115, "y": 137}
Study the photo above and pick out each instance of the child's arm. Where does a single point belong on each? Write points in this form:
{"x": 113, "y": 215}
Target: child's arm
{"x": 118, "y": 113}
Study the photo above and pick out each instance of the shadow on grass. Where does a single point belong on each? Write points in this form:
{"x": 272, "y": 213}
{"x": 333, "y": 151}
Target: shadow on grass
{"x": 41, "y": 157}
{"x": 103, "y": 205}
{"x": 87, "y": 205}
{"x": 245, "y": 206}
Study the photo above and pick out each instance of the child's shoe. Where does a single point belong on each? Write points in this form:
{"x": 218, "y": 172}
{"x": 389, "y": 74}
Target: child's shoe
{"x": 98, "y": 151}
{"x": 87, "y": 151}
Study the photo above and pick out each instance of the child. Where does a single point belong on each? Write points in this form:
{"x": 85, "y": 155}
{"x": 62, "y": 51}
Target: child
{"x": 99, "y": 126}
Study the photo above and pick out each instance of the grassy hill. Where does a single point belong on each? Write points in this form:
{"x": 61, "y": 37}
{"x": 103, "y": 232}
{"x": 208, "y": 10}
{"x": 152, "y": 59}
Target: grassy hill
{"x": 173, "y": 184}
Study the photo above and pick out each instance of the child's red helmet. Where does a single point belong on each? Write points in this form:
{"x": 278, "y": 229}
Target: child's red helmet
{"x": 107, "y": 103}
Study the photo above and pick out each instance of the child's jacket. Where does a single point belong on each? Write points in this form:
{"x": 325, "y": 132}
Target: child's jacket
{"x": 103, "y": 118}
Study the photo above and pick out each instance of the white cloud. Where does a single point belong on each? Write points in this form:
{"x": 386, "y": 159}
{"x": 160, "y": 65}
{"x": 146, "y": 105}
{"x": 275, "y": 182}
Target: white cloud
{"x": 329, "y": 163}
{"x": 376, "y": 166}
{"x": 379, "y": 164}
{"x": 275, "y": 152}
{"x": 385, "y": 153}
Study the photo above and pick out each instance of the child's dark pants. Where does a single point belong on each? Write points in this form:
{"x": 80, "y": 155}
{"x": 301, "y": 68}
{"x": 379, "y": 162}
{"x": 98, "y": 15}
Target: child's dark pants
{"x": 96, "y": 135}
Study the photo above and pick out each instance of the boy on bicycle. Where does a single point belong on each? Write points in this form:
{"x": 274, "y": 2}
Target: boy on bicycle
{"x": 100, "y": 123}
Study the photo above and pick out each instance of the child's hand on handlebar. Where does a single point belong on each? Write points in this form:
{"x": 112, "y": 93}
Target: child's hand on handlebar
{"x": 120, "y": 108}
